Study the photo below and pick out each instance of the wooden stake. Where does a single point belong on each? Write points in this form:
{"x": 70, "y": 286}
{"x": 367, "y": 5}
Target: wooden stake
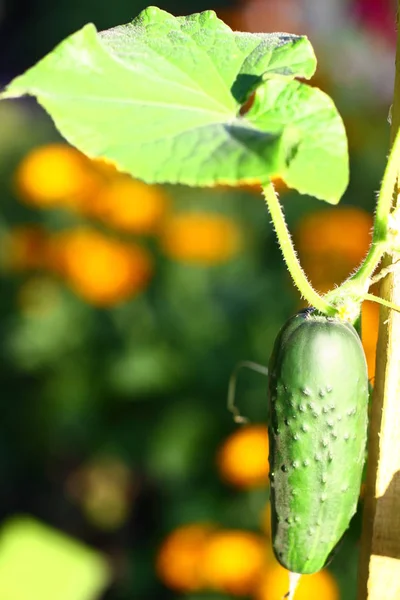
{"x": 379, "y": 572}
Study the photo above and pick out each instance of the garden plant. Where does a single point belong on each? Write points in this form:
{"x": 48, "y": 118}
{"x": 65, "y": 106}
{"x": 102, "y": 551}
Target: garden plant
{"x": 186, "y": 100}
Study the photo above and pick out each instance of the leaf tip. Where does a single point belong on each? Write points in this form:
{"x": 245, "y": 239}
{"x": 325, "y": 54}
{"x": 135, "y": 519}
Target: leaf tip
{"x": 12, "y": 91}
{"x": 153, "y": 11}
{"x": 152, "y": 14}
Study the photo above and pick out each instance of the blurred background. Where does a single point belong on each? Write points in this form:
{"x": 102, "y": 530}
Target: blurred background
{"x": 124, "y": 310}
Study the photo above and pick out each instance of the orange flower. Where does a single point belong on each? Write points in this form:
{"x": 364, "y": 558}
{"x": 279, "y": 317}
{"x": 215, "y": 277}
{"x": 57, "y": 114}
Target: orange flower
{"x": 346, "y": 230}
{"x": 179, "y": 561}
{"x": 369, "y": 333}
{"x": 26, "y": 248}
{"x": 256, "y": 188}
{"x": 233, "y": 561}
{"x": 279, "y": 184}
{"x": 274, "y": 585}
{"x": 130, "y": 205}
{"x": 200, "y": 237}
{"x": 106, "y": 167}
{"x": 331, "y": 243}
{"x": 243, "y": 458}
{"x": 55, "y": 175}
{"x": 101, "y": 270}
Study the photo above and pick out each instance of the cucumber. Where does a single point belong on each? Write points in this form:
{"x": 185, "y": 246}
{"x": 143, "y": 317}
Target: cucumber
{"x": 318, "y": 405}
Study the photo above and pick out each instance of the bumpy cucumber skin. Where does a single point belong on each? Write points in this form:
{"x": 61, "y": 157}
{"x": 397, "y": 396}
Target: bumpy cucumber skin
{"x": 318, "y": 405}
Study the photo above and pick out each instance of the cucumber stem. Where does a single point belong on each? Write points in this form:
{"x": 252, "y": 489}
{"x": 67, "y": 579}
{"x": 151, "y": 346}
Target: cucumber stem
{"x": 289, "y": 254}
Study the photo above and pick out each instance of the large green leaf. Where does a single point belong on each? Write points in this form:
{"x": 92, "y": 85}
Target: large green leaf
{"x": 162, "y": 96}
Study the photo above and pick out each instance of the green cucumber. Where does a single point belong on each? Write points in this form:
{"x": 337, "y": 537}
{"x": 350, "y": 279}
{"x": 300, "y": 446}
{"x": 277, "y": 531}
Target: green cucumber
{"x": 318, "y": 405}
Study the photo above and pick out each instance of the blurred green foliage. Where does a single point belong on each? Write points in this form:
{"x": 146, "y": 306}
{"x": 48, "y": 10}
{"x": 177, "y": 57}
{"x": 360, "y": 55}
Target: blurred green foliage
{"x": 144, "y": 383}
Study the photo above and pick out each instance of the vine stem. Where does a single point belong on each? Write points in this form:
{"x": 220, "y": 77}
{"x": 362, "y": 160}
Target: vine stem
{"x": 384, "y": 206}
{"x": 356, "y": 286}
{"x": 289, "y": 254}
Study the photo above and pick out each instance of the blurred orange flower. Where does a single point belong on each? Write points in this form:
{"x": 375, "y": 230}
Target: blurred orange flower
{"x": 25, "y": 247}
{"x": 274, "y": 585}
{"x": 101, "y": 270}
{"x": 256, "y": 188}
{"x": 243, "y": 458}
{"x": 129, "y": 205}
{"x": 346, "y": 230}
{"x": 331, "y": 243}
{"x": 369, "y": 333}
{"x": 179, "y": 562}
{"x": 106, "y": 167}
{"x": 200, "y": 237}
{"x": 233, "y": 561}
{"x": 55, "y": 175}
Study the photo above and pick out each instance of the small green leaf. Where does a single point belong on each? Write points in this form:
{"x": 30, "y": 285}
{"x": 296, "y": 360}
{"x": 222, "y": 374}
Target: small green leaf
{"x": 40, "y": 563}
{"x": 162, "y": 98}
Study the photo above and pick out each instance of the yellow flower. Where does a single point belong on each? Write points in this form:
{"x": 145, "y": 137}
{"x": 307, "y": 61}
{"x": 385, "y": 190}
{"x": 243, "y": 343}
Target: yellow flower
{"x": 130, "y": 205}
{"x": 179, "y": 561}
{"x": 55, "y": 175}
{"x": 25, "y": 247}
{"x": 233, "y": 561}
{"x": 331, "y": 243}
{"x": 274, "y": 584}
{"x": 200, "y": 237}
{"x": 243, "y": 458}
{"x": 101, "y": 270}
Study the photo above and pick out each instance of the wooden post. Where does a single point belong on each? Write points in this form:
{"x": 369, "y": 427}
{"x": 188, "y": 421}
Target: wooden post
{"x": 379, "y": 570}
